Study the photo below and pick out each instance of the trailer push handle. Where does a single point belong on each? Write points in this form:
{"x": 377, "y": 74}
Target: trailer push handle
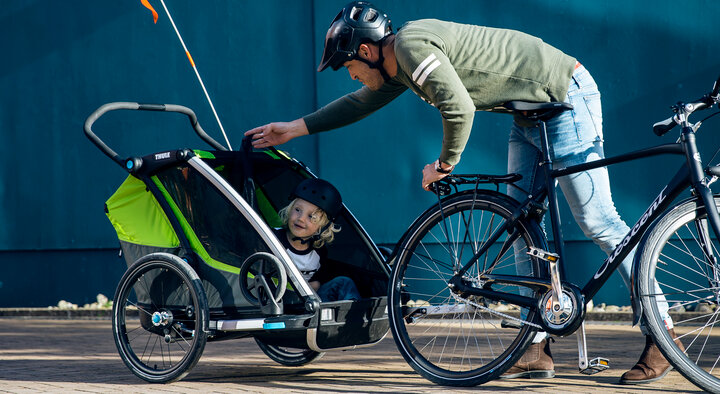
{"x": 142, "y": 107}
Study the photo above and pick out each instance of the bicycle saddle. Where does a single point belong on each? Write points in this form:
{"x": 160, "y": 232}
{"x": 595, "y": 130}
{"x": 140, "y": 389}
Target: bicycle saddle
{"x": 537, "y": 111}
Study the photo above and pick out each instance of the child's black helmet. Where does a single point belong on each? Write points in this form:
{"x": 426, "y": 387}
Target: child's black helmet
{"x": 320, "y": 193}
{"x": 357, "y": 23}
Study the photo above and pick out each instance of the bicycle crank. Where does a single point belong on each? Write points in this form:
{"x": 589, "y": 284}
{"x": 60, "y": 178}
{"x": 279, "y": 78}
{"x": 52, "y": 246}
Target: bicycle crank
{"x": 565, "y": 318}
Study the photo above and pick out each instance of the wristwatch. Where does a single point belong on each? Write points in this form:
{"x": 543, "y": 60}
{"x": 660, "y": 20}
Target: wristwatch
{"x": 438, "y": 168}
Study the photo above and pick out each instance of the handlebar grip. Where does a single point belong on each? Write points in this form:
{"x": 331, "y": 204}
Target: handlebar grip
{"x": 713, "y": 171}
{"x": 661, "y": 128}
{"x": 95, "y": 116}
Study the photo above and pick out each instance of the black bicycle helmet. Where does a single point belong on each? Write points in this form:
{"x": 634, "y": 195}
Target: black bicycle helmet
{"x": 359, "y": 22}
{"x": 320, "y": 193}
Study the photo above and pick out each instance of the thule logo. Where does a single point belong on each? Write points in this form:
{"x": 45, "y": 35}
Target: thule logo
{"x": 618, "y": 249}
{"x": 162, "y": 156}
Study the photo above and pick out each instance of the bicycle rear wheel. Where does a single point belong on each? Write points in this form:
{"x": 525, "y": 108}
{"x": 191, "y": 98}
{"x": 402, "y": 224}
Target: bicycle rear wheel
{"x": 689, "y": 280}
{"x": 448, "y": 339}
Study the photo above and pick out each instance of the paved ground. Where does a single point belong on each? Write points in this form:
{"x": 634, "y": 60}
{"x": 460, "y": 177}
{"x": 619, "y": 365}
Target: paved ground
{"x": 42, "y": 355}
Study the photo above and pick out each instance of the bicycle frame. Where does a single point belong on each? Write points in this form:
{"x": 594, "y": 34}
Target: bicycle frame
{"x": 689, "y": 175}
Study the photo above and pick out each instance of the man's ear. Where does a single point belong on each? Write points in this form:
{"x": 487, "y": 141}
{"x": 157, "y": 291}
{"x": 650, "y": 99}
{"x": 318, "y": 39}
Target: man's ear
{"x": 365, "y": 51}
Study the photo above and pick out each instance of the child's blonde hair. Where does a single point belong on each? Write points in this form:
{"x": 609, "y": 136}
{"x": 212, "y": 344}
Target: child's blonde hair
{"x": 319, "y": 217}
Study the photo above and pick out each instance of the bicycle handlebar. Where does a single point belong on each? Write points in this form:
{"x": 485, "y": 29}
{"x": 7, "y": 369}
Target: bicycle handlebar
{"x": 661, "y": 128}
{"x": 142, "y": 107}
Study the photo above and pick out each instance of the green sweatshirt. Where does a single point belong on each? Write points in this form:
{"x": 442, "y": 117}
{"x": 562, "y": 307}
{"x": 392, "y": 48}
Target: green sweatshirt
{"x": 459, "y": 69}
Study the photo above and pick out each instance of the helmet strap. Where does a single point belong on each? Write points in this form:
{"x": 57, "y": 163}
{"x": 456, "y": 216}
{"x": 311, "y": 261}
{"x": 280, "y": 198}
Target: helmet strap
{"x": 378, "y": 65}
{"x": 313, "y": 237}
{"x": 305, "y": 241}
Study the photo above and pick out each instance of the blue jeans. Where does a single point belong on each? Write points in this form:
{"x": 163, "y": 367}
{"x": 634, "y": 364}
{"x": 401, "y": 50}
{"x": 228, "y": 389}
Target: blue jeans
{"x": 339, "y": 288}
{"x": 576, "y": 137}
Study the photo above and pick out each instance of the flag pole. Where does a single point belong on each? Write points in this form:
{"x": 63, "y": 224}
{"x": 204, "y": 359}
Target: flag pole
{"x": 192, "y": 63}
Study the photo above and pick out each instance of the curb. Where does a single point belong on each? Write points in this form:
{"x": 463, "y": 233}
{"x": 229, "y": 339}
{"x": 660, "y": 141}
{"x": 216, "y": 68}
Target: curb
{"x": 55, "y": 313}
{"x": 106, "y": 314}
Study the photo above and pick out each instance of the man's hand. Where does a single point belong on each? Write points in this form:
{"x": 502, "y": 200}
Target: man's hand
{"x": 430, "y": 175}
{"x": 277, "y": 133}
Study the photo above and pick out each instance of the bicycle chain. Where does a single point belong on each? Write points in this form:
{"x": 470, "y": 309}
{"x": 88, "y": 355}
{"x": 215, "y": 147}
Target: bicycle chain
{"x": 476, "y": 305}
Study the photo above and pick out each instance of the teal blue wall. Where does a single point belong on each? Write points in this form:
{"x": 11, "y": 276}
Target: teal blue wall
{"x": 61, "y": 60}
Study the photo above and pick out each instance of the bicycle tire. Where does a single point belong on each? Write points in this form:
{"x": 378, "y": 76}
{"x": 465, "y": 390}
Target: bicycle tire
{"x": 288, "y": 357}
{"x": 160, "y": 318}
{"x": 480, "y": 348}
{"x": 671, "y": 255}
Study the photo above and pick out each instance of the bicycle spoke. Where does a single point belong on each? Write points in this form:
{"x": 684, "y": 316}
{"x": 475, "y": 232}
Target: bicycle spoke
{"x": 439, "y": 264}
{"x": 675, "y": 261}
{"x": 468, "y": 225}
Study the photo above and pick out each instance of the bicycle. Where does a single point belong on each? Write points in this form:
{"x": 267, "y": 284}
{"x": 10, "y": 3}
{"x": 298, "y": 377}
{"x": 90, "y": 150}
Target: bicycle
{"x": 460, "y": 313}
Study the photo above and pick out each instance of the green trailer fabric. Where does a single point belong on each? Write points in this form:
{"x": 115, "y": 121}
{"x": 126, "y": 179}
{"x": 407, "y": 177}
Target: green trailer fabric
{"x": 138, "y": 218}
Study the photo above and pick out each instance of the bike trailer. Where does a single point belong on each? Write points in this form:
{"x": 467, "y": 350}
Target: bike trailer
{"x": 195, "y": 228}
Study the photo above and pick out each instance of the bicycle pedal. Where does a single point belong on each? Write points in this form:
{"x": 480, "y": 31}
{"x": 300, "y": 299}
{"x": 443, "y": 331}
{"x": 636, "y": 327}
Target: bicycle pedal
{"x": 543, "y": 254}
{"x": 598, "y": 364}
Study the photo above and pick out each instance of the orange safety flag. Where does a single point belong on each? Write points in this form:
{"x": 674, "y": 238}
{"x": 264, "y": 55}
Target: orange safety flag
{"x": 147, "y": 5}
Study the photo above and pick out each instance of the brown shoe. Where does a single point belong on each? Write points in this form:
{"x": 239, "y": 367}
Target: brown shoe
{"x": 536, "y": 363}
{"x": 652, "y": 365}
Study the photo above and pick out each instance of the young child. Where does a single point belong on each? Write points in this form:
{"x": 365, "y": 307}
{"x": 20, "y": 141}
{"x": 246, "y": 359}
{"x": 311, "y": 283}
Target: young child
{"x": 307, "y": 227}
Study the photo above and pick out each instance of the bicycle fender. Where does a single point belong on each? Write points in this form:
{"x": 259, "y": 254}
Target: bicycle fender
{"x": 634, "y": 290}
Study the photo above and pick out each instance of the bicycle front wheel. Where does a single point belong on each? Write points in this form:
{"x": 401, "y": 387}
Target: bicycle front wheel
{"x": 448, "y": 339}
{"x": 687, "y": 274}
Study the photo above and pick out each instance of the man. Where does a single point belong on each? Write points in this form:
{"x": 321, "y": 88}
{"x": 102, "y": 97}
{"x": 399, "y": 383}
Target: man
{"x": 460, "y": 69}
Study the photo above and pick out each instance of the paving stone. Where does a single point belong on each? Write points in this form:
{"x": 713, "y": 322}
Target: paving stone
{"x": 45, "y": 355}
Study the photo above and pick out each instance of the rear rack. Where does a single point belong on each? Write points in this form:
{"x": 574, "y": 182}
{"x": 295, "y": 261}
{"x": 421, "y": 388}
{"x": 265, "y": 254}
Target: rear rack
{"x": 443, "y": 186}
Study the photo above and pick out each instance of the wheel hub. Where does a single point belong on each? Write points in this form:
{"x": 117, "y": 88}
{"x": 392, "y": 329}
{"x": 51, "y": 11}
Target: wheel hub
{"x": 162, "y": 318}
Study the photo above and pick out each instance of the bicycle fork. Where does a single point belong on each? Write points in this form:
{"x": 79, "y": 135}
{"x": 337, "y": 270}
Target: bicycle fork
{"x": 697, "y": 177}
{"x": 706, "y": 244}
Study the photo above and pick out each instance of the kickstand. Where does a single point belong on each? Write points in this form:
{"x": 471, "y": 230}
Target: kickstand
{"x": 598, "y": 364}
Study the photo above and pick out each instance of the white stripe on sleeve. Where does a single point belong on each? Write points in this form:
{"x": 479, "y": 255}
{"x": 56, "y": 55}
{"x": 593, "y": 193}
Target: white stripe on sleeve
{"x": 427, "y": 72}
{"x": 422, "y": 65}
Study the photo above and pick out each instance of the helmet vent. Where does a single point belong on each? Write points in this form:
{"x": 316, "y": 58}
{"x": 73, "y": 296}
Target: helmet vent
{"x": 371, "y": 15}
{"x": 355, "y": 13}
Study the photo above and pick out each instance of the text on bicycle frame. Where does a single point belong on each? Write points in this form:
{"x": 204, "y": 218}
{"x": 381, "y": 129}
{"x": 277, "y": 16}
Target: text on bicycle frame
{"x": 618, "y": 249}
